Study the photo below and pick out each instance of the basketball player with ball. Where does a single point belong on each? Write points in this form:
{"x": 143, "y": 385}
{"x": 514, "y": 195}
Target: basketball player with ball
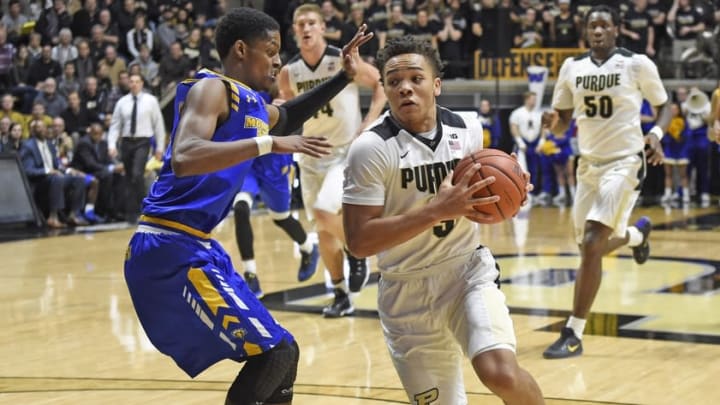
{"x": 603, "y": 89}
{"x": 437, "y": 297}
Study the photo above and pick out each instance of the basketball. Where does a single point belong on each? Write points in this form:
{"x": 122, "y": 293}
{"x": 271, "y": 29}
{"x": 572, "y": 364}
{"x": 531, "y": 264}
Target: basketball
{"x": 509, "y": 182}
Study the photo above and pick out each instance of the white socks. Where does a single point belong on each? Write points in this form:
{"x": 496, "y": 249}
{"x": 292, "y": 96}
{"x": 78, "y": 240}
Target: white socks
{"x": 307, "y": 246}
{"x": 250, "y": 266}
{"x": 577, "y": 325}
{"x": 635, "y": 236}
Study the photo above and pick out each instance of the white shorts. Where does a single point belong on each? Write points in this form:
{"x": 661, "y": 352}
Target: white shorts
{"x": 607, "y": 192}
{"x": 321, "y": 181}
{"x": 433, "y": 321}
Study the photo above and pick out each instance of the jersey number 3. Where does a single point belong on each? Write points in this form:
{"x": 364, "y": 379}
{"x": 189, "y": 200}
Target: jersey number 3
{"x": 601, "y": 105}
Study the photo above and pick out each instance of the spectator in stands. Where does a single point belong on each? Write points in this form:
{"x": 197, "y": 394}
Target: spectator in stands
{"x": 38, "y": 114}
{"x": 149, "y": 69}
{"x": 564, "y": 31}
{"x": 334, "y": 26}
{"x": 77, "y": 117}
{"x": 125, "y": 16}
{"x": 14, "y": 140}
{"x": 54, "y": 191}
{"x": 658, "y": 14}
{"x": 84, "y": 64}
{"x": 64, "y": 51}
{"x": 191, "y": 47}
{"x": 7, "y": 53}
{"x": 530, "y": 32}
{"x": 209, "y": 57}
{"x": 110, "y": 30}
{"x": 174, "y": 66}
{"x": 98, "y": 43}
{"x": 638, "y": 33}
{"x": 13, "y": 21}
{"x": 84, "y": 18}
{"x": 4, "y": 129}
{"x": 165, "y": 31}
{"x": 20, "y": 67}
{"x": 68, "y": 81}
{"x": 138, "y": 36}
{"x": 688, "y": 23}
{"x": 35, "y": 46}
{"x": 91, "y": 156}
{"x": 92, "y": 98}
{"x": 53, "y": 102}
{"x": 396, "y": 26}
{"x": 64, "y": 143}
{"x": 117, "y": 92}
{"x": 450, "y": 41}
{"x": 424, "y": 28}
{"x": 356, "y": 19}
{"x": 136, "y": 119}
{"x": 7, "y": 110}
{"x": 114, "y": 64}
{"x": 52, "y": 20}
{"x": 43, "y": 68}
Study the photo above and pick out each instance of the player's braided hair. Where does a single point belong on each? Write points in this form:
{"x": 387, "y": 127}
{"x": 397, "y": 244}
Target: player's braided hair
{"x": 409, "y": 44}
{"x": 242, "y": 23}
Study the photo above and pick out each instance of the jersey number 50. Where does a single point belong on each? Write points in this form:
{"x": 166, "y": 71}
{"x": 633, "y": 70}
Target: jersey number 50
{"x": 598, "y": 104}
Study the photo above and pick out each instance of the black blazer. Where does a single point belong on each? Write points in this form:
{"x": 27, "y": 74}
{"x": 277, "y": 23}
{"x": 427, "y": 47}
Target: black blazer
{"x": 89, "y": 159}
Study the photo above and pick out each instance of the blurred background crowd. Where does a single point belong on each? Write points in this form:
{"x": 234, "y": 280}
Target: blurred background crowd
{"x": 66, "y": 64}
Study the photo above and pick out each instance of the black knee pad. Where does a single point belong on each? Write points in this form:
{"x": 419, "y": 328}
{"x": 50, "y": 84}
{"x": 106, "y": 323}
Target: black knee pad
{"x": 267, "y": 378}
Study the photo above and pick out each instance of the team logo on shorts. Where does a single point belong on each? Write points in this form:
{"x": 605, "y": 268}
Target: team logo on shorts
{"x": 239, "y": 333}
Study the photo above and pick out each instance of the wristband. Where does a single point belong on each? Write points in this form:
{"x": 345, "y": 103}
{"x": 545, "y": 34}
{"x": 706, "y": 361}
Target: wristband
{"x": 657, "y": 131}
{"x": 264, "y": 144}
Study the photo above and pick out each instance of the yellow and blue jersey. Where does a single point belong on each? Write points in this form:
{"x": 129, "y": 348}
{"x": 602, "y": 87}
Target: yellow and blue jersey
{"x": 202, "y": 201}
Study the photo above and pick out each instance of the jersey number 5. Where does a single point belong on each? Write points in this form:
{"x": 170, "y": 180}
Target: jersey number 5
{"x": 598, "y": 104}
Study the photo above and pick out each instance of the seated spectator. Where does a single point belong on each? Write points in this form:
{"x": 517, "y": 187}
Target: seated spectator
{"x": 139, "y": 35}
{"x": 14, "y": 20}
{"x": 174, "y": 66}
{"x": 20, "y": 67}
{"x": 165, "y": 31}
{"x": 92, "y": 98}
{"x": 54, "y": 102}
{"x": 54, "y": 191}
{"x": 37, "y": 114}
{"x": 84, "y": 18}
{"x": 91, "y": 156}
{"x": 7, "y": 110}
{"x": 149, "y": 69}
{"x": 7, "y": 51}
{"x": 52, "y": 20}
{"x": 64, "y": 143}
{"x": 114, "y": 64}
{"x": 84, "y": 64}
{"x": 77, "y": 117}
{"x": 14, "y": 140}
{"x": 43, "y": 68}
{"x": 64, "y": 51}
{"x": 35, "y": 46}
{"x": 110, "y": 30}
{"x": 4, "y": 129}
{"x": 209, "y": 57}
{"x": 191, "y": 47}
{"x": 98, "y": 43}
{"x": 68, "y": 81}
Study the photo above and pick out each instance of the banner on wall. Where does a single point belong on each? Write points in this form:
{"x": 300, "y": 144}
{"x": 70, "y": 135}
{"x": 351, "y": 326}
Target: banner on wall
{"x": 515, "y": 66}
{"x": 537, "y": 77}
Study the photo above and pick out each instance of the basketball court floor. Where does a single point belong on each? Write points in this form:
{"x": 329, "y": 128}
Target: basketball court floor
{"x": 68, "y": 333}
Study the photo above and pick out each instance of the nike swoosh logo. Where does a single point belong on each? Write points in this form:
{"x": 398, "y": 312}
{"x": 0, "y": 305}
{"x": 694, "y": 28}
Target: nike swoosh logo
{"x": 573, "y": 348}
{"x": 404, "y": 154}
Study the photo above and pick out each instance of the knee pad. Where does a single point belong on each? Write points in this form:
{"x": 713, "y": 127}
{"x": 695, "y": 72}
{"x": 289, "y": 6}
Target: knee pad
{"x": 267, "y": 378}
{"x": 243, "y": 197}
{"x": 241, "y": 209}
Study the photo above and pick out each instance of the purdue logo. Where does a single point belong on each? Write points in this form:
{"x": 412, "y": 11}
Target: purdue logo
{"x": 427, "y": 397}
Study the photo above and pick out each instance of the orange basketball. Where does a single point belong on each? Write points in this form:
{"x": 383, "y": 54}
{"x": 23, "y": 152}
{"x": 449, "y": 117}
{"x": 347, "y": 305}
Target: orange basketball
{"x": 509, "y": 182}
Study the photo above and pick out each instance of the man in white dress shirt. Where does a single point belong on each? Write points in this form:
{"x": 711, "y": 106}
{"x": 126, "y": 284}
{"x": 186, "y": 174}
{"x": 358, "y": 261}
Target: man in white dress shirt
{"x": 135, "y": 121}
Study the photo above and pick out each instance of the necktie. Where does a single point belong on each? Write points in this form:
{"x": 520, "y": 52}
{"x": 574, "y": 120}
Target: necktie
{"x": 133, "y": 119}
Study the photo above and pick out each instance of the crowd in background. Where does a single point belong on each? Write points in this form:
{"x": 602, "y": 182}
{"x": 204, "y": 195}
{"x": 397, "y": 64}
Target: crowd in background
{"x": 64, "y": 64}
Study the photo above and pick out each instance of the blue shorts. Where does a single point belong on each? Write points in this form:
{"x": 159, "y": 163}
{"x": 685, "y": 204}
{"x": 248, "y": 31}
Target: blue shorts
{"x": 192, "y": 304}
{"x": 676, "y": 152}
{"x": 270, "y": 176}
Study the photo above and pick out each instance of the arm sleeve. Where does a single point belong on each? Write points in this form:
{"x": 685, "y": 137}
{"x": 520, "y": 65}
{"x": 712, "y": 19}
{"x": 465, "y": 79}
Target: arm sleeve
{"x": 295, "y": 112}
{"x": 649, "y": 81}
{"x": 365, "y": 171}
{"x": 562, "y": 96}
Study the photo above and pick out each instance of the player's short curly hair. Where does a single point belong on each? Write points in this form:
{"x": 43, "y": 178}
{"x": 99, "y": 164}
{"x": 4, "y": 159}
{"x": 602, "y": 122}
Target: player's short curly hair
{"x": 602, "y": 8}
{"x": 409, "y": 44}
{"x": 242, "y": 23}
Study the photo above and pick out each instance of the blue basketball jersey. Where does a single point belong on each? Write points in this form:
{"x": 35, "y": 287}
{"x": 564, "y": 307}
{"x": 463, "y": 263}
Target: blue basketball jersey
{"x": 202, "y": 201}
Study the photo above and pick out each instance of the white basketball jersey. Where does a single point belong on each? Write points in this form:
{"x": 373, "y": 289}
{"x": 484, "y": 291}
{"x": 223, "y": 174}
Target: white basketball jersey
{"x": 338, "y": 120}
{"x": 390, "y": 167}
{"x": 606, "y": 100}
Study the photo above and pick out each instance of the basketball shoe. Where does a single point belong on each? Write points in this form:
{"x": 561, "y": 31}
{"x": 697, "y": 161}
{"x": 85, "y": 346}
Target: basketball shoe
{"x": 568, "y": 345}
{"x": 308, "y": 263}
{"x": 641, "y": 252}
{"x": 358, "y": 274}
{"x": 340, "y": 306}
{"x": 253, "y": 284}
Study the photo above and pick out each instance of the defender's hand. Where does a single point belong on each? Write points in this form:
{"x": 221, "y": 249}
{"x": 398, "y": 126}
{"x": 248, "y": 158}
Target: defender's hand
{"x": 350, "y": 53}
{"x": 310, "y": 145}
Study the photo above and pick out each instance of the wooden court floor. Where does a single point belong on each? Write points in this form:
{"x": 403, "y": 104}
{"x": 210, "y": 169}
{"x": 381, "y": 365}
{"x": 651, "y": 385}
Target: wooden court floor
{"x": 68, "y": 333}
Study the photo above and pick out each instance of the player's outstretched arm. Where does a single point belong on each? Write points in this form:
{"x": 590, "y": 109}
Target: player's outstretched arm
{"x": 557, "y": 121}
{"x": 367, "y": 232}
{"x": 288, "y": 117}
{"x": 194, "y": 152}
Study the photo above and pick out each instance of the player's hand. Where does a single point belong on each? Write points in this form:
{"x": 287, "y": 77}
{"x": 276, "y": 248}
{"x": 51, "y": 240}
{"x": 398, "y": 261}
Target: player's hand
{"x": 653, "y": 150}
{"x": 310, "y": 145}
{"x": 456, "y": 200}
{"x": 550, "y": 119}
{"x": 351, "y": 55}
{"x": 529, "y": 187}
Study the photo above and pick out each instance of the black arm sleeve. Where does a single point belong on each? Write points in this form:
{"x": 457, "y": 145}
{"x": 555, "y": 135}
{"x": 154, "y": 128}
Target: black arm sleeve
{"x": 298, "y": 110}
